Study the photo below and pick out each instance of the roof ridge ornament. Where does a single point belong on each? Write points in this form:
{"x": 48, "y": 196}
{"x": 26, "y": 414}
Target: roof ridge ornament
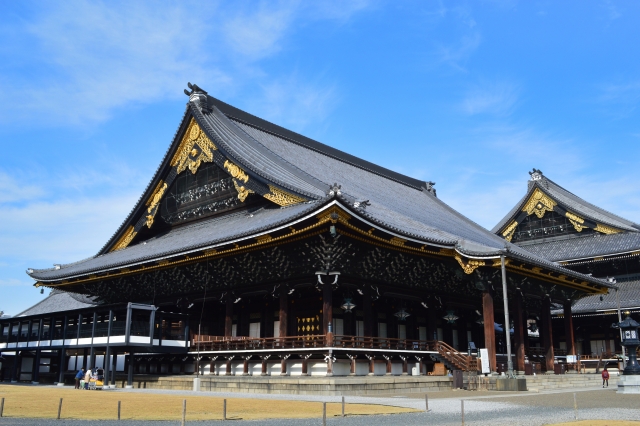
{"x": 361, "y": 204}
{"x": 335, "y": 189}
{"x": 429, "y": 187}
{"x": 536, "y": 174}
{"x": 198, "y": 97}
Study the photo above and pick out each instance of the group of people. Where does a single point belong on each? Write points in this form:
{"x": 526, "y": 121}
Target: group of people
{"x": 83, "y": 378}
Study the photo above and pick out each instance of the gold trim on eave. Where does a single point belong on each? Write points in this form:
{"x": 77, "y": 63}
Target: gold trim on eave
{"x": 606, "y": 229}
{"x": 195, "y": 148}
{"x": 576, "y": 221}
{"x": 282, "y": 198}
{"x": 125, "y": 240}
{"x": 236, "y": 171}
{"x": 539, "y": 203}
{"x": 511, "y": 229}
{"x": 470, "y": 265}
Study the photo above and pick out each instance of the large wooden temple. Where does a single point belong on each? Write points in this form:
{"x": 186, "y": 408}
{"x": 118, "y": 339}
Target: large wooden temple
{"x": 555, "y": 224}
{"x": 257, "y": 251}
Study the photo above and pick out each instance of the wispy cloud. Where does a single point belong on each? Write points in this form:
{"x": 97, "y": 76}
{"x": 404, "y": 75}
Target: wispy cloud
{"x": 455, "y": 55}
{"x": 620, "y": 99}
{"x": 498, "y": 98}
{"x": 100, "y": 57}
{"x": 295, "y": 102}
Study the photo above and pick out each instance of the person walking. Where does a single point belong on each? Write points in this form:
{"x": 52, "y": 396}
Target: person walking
{"x": 79, "y": 376}
{"x": 605, "y": 377}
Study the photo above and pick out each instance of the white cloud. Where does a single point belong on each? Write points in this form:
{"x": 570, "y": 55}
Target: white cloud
{"x": 60, "y": 231}
{"x": 294, "y": 102}
{"x": 620, "y": 99}
{"x": 94, "y": 57}
{"x": 11, "y": 190}
{"x": 455, "y": 55}
{"x": 498, "y": 98}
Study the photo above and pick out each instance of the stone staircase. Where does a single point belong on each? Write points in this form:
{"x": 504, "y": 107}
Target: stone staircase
{"x": 566, "y": 381}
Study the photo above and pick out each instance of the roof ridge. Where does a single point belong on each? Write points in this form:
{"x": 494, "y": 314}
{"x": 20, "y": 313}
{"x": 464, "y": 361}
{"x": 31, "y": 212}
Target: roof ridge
{"x": 237, "y": 114}
{"x": 591, "y": 204}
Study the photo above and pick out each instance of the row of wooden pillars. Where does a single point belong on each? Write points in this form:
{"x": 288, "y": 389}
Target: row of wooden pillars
{"x": 520, "y": 330}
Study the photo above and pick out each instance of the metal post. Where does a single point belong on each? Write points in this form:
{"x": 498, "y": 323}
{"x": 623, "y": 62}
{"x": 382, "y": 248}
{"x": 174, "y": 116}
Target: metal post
{"x": 324, "y": 414}
{"x": 575, "y": 406}
{"x": 224, "y": 409}
{"x": 118, "y": 410}
{"x": 507, "y": 326}
{"x": 184, "y": 411}
{"x": 624, "y": 349}
{"x": 1, "y": 406}
{"x": 426, "y": 403}
{"x": 462, "y": 410}
{"x": 343, "y": 406}
{"x": 59, "y": 408}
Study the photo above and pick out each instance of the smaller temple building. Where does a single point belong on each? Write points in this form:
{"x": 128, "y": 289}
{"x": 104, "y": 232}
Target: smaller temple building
{"x": 555, "y": 224}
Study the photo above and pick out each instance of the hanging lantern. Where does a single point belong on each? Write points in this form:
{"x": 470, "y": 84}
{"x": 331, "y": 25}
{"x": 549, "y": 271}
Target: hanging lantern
{"x": 402, "y": 314}
{"x": 348, "y": 305}
{"x": 450, "y": 317}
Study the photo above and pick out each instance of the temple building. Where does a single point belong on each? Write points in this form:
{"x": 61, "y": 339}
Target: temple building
{"x": 559, "y": 226}
{"x": 257, "y": 251}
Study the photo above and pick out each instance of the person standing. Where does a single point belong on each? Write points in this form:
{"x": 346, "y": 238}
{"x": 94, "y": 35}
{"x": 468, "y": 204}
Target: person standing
{"x": 79, "y": 376}
{"x": 605, "y": 377}
{"x": 87, "y": 378}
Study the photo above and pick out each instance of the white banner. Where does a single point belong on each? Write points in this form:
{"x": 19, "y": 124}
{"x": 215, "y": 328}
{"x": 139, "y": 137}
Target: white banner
{"x": 484, "y": 361}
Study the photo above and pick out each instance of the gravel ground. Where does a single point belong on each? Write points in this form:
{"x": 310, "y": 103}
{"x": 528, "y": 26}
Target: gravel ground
{"x": 526, "y": 409}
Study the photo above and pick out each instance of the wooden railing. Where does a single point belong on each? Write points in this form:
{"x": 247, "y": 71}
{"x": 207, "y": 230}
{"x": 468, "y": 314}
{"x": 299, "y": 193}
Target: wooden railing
{"x": 221, "y": 343}
{"x": 383, "y": 343}
{"x": 458, "y": 359}
{"x": 461, "y": 360}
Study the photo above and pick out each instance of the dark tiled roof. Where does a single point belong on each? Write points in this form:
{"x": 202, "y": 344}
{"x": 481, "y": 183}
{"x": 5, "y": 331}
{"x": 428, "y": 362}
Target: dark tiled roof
{"x": 629, "y": 298}
{"x": 58, "y": 301}
{"x": 397, "y": 203}
{"x": 570, "y": 202}
{"x": 582, "y": 247}
{"x": 182, "y": 239}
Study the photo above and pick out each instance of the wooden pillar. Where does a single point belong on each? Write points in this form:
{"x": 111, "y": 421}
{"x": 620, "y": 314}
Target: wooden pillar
{"x": 327, "y": 306}
{"x": 568, "y": 328}
{"x": 405, "y": 366}
{"x": 245, "y": 365}
{"x": 284, "y": 311}
{"x": 367, "y": 309}
{"x": 305, "y": 364}
{"x": 489, "y": 330}
{"x": 547, "y": 336}
{"x": 264, "y": 365}
{"x": 228, "y": 366}
{"x": 519, "y": 332}
{"x": 228, "y": 316}
{"x": 372, "y": 364}
{"x": 389, "y": 366}
{"x": 352, "y": 370}
{"x": 283, "y": 364}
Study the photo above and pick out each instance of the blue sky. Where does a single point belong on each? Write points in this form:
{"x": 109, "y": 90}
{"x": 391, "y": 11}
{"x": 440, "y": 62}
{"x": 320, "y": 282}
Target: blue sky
{"x": 471, "y": 95}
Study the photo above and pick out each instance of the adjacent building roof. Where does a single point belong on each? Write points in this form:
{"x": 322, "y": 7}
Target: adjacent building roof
{"x": 629, "y": 297}
{"x": 58, "y": 301}
{"x": 569, "y": 201}
{"x": 584, "y": 247}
